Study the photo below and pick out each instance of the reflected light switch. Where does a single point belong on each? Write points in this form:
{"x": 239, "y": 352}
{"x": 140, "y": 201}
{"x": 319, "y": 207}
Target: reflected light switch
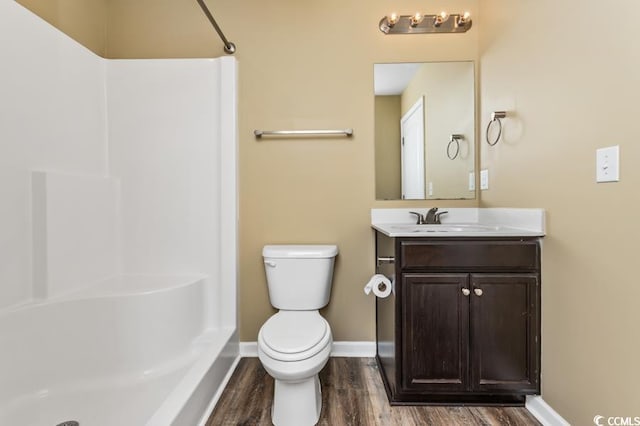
{"x": 608, "y": 164}
{"x": 484, "y": 179}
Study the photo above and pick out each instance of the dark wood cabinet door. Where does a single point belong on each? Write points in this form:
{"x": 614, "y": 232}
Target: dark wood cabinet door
{"x": 505, "y": 333}
{"x": 435, "y": 332}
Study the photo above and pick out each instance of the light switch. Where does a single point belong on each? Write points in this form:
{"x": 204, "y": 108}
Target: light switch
{"x": 472, "y": 181}
{"x": 484, "y": 179}
{"x": 608, "y": 164}
{"x": 430, "y": 189}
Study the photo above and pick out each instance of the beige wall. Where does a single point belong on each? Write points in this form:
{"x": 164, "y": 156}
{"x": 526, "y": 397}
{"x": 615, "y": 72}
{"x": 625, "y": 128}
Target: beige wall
{"x": 387, "y": 147}
{"x": 83, "y": 20}
{"x": 574, "y": 86}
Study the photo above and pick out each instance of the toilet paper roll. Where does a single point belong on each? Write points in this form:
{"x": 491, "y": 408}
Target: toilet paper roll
{"x": 380, "y": 285}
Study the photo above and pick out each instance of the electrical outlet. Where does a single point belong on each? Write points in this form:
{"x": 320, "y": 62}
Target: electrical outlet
{"x": 430, "y": 189}
{"x": 484, "y": 179}
{"x": 472, "y": 181}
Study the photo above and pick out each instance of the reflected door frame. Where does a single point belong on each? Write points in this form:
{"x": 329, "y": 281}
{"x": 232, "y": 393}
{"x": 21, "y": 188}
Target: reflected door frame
{"x": 412, "y": 152}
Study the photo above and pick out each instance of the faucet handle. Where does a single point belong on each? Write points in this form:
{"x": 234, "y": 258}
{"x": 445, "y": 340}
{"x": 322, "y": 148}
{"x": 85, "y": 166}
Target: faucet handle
{"x": 437, "y": 216}
{"x": 420, "y": 218}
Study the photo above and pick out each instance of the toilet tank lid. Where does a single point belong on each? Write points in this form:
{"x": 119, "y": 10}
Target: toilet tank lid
{"x": 300, "y": 251}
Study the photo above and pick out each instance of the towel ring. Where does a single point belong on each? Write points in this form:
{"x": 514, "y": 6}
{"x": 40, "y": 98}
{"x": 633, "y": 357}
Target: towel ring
{"x": 495, "y": 118}
{"x": 454, "y": 139}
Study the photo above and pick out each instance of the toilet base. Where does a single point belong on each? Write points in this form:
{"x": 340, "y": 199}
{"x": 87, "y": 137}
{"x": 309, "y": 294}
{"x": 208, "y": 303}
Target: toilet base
{"x": 296, "y": 403}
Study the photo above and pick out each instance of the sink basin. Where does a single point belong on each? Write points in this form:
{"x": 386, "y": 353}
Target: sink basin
{"x": 458, "y": 227}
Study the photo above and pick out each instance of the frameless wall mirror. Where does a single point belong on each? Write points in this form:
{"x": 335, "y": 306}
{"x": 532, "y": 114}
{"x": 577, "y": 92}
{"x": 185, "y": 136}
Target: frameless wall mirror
{"x": 425, "y": 130}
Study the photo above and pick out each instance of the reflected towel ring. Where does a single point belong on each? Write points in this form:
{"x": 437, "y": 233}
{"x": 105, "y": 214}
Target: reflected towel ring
{"x": 454, "y": 139}
{"x": 495, "y": 118}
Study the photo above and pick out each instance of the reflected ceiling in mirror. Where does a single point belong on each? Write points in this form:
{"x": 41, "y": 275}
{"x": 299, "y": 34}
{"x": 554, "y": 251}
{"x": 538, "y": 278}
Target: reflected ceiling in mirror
{"x": 425, "y": 130}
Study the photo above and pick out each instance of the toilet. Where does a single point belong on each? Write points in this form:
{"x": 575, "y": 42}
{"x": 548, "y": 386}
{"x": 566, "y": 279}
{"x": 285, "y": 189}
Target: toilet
{"x": 295, "y": 343}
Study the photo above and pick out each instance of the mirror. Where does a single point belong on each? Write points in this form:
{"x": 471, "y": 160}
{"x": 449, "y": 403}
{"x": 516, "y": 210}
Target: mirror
{"x": 425, "y": 130}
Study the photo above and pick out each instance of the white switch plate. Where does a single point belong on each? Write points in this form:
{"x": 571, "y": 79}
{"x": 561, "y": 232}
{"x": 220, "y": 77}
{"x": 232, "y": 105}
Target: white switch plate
{"x": 484, "y": 179}
{"x": 608, "y": 164}
{"x": 430, "y": 189}
{"x": 472, "y": 181}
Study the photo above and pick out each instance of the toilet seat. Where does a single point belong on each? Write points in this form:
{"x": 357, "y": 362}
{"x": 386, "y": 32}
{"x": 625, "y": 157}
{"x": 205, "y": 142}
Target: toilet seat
{"x": 294, "y": 335}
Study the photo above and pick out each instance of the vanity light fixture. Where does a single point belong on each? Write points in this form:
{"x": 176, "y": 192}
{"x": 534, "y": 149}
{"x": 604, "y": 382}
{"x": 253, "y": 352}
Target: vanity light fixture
{"x": 418, "y": 23}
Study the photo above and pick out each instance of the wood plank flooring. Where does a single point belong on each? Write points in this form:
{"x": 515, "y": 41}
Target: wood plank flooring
{"x": 352, "y": 395}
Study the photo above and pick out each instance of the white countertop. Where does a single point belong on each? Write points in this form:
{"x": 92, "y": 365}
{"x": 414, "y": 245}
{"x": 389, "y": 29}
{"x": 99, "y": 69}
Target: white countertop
{"x": 462, "y": 222}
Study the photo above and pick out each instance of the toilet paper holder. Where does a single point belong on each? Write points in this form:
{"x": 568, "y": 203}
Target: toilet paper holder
{"x": 385, "y": 259}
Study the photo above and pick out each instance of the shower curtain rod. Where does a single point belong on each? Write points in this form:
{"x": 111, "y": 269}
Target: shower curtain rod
{"x": 228, "y": 46}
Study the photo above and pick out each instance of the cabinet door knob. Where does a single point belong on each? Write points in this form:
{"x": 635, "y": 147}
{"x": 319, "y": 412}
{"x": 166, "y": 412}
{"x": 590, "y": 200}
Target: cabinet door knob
{"x": 466, "y": 291}
{"x": 477, "y": 291}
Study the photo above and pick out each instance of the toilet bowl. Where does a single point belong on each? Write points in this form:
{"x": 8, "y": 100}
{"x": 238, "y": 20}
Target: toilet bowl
{"x": 294, "y": 364}
{"x": 295, "y": 343}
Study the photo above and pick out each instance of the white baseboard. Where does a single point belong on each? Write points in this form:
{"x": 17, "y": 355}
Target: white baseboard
{"x": 248, "y": 349}
{"x": 543, "y": 412}
{"x": 354, "y": 349}
{"x": 343, "y": 349}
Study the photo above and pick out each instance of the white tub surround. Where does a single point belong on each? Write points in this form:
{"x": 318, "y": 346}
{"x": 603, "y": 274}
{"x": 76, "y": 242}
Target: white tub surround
{"x": 118, "y": 284}
{"x": 115, "y": 351}
{"x": 52, "y": 117}
{"x": 123, "y": 328}
{"x": 172, "y": 145}
{"x": 75, "y": 232}
{"x": 462, "y": 222}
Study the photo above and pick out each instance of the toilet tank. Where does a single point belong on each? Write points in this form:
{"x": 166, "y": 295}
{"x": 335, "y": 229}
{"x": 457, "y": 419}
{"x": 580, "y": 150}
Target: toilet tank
{"x": 299, "y": 276}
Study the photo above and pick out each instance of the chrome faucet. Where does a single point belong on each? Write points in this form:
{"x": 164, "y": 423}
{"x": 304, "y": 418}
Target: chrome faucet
{"x": 432, "y": 217}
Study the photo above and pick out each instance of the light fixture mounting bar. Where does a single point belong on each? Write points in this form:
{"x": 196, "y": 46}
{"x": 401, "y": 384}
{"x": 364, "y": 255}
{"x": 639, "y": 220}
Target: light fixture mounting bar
{"x": 428, "y": 25}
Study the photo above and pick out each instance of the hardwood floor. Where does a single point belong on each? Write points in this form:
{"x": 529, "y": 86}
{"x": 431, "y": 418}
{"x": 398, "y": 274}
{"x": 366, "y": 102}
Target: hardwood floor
{"x": 352, "y": 395}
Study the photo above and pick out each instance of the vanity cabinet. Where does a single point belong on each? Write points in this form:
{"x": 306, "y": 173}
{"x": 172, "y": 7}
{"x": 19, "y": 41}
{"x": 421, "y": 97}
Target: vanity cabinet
{"x": 463, "y": 324}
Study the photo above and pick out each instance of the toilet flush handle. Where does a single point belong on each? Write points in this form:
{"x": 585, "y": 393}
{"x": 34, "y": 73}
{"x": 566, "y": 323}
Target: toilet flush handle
{"x": 270, "y": 263}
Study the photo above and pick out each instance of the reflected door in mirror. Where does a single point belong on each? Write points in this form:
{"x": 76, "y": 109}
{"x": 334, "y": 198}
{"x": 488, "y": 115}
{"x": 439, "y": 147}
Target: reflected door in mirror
{"x": 412, "y": 149}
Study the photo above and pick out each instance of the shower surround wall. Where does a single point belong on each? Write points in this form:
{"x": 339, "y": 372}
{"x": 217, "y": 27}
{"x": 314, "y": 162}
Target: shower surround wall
{"x": 52, "y": 117}
{"x": 118, "y": 181}
{"x": 163, "y": 118}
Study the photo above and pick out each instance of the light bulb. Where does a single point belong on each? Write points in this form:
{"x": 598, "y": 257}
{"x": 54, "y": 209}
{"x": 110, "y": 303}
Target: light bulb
{"x": 440, "y": 18}
{"x": 463, "y": 19}
{"x": 392, "y": 19}
{"x": 416, "y": 19}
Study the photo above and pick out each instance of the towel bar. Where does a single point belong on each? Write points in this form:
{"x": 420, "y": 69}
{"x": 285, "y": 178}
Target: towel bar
{"x": 261, "y": 133}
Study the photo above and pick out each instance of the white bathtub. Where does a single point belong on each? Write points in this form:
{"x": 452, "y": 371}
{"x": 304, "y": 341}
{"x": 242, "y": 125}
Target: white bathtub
{"x": 132, "y": 350}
